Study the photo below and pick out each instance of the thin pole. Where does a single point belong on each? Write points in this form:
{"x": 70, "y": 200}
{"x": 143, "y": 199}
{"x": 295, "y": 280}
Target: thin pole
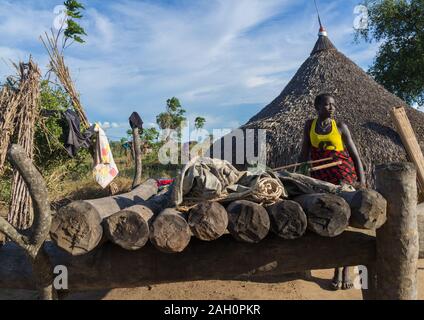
{"x": 319, "y": 18}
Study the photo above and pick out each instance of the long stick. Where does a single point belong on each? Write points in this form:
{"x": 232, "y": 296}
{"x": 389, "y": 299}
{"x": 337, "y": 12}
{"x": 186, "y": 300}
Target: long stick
{"x": 298, "y": 164}
{"x": 409, "y": 140}
{"x": 327, "y": 165}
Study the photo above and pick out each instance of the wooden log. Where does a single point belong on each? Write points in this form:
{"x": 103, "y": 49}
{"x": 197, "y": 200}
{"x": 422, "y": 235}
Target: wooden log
{"x": 32, "y": 240}
{"x": 410, "y": 142}
{"x": 170, "y": 231}
{"x": 368, "y": 209}
{"x": 76, "y": 228}
{"x": 129, "y": 228}
{"x": 397, "y": 239}
{"x": 208, "y": 220}
{"x": 420, "y": 221}
{"x": 247, "y": 221}
{"x": 224, "y": 259}
{"x": 328, "y": 215}
{"x": 288, "y": 220}
{"x": 137, "y": 158}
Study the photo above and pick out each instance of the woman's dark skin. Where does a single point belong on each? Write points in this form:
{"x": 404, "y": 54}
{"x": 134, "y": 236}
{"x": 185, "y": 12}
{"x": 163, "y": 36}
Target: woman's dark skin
{"x": 326, "y": 111}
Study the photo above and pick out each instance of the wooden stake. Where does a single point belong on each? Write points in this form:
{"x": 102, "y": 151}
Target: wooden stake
{"x": 397, "y": 239}
{"x": 413, "y": 149}
{"x": 298, "y": 164}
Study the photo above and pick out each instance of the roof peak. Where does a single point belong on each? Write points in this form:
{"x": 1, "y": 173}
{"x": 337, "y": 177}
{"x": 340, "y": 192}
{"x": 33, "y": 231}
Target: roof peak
{"x": 322, "y": 32}
{"x": 323, "y": 42}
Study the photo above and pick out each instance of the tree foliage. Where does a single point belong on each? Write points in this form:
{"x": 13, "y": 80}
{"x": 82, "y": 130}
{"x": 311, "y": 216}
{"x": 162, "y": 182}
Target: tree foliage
{"x": 74, "y": 30}
{"x": 49, "y": 144}
{"x": 399, "y": 64}
{"x": 148, "y": 136}
{"x": 173, "y": 118}
{"x": 199, "y": 122}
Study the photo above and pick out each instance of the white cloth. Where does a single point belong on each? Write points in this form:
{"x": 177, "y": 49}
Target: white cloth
{"x": 105, "y": 169}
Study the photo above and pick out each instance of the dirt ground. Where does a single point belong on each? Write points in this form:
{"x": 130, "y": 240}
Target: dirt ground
{"x": 304, "y": 288}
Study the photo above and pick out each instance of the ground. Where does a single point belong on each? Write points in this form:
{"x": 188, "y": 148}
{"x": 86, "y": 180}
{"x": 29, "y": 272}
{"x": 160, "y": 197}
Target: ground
{"x": 312, "y": 288}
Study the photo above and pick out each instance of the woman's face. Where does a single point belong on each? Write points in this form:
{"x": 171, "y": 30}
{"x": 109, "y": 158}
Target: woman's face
{"x": 327, "y": 108}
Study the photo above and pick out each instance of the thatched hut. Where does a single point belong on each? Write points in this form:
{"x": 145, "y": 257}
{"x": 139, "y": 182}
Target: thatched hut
{"x": 361, "y": 103}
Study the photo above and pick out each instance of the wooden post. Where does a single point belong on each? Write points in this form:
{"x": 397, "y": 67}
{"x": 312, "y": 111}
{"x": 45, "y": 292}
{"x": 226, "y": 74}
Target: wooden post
{"x": 137, "y": 158}
{"x": 410, "y": 142}
{"x": 397, "y": 239}
{"x": 420, "y": 221}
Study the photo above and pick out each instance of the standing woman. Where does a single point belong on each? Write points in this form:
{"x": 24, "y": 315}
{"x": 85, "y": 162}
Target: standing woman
{"x": 325, "y": 138}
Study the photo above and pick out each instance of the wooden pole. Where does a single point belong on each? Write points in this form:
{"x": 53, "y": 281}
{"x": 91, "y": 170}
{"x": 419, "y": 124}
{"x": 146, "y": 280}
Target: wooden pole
{"x": 288, "y": 220}
{"x": 248, "y": 221}
{"x": 420, "y": 221}
{"x": 328, "y": 214}
{"x": 32, "y": 241}
{"x": 208, "y": 220}
{"x": 368, "y": 208}
{"x": 137, "y": 158}
{"x": 76, "y": 228}
{"x": 129, "y": 228}
{"x": 413, "y": 149}
{"x": 397, "y": 239}
{"x": 170, "y": 232}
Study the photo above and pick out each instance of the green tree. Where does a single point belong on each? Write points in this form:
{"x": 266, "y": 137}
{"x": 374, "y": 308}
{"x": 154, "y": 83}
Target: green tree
{"x": 399, "y": 64}
{"x": 148, "y": 136}
{"x": 173, "y": 118}
{"x": 199, "y": 122}
{"x": 74, "y": 11}
{"x": 49, "y": 134}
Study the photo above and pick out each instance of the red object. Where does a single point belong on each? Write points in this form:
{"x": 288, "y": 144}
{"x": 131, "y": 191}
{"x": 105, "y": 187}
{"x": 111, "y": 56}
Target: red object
{"x": 343, "y": 173}
{"x": 164, "y": 182}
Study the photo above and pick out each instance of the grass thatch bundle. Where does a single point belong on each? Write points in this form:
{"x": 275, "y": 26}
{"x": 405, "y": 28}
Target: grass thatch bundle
{"x": 9, "y": 103}
{"x": 20, "y": 214}
{"x": 19, "y": 103}
{"x": 59, "y": 68}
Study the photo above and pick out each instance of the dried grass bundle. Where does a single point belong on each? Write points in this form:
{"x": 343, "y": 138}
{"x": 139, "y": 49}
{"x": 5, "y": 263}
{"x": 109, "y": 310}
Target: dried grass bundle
{"x": 59, "y": 68}
{"x": 9, "y": 102}
{"x": 20, "y": 214}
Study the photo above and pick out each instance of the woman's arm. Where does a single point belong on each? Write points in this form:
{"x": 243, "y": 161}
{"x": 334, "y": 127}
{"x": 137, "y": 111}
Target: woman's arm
{"x": 306, "y": 143}
{"x": 353, "y": 152}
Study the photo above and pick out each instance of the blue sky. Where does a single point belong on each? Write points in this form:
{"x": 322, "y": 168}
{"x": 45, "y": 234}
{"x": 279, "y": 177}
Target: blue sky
{"x": 224, "y": 59}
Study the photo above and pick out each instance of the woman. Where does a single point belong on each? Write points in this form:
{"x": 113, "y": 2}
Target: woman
{"x": 326, "y": 138}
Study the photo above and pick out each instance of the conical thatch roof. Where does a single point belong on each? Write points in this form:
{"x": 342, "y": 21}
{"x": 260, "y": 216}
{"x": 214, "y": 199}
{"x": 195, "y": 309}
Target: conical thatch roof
{"x": 361, "y": 103}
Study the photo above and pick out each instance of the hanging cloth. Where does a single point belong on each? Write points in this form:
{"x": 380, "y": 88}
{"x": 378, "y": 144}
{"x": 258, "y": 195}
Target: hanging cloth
{"x": 105, "y": 169}
{"x": 75, "y": 139}
{"x": 136, "y": 121}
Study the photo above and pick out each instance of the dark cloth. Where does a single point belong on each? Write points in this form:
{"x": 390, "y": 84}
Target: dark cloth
{"x": 135, "y": 121}
{"x": 345, "y": 173}
{"x": 50, "y": 113}
{"x": 75, "y": 139}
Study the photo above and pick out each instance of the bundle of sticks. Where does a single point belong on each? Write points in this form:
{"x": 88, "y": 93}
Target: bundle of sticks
{"x": 133, "y": 219}
{"x": 19, "y": 101}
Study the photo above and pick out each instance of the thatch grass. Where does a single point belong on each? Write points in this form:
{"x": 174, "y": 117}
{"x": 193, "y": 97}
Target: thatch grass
{"x": 21, "y": 213}
{"x": 9, "y": 103}
{"x": 59, "y": 68}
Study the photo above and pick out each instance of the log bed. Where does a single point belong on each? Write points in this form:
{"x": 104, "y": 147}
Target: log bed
{"x": 390, "y": 256}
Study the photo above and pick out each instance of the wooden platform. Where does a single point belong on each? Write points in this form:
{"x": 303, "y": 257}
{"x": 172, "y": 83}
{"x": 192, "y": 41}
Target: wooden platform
{"x": 111, "y": 267}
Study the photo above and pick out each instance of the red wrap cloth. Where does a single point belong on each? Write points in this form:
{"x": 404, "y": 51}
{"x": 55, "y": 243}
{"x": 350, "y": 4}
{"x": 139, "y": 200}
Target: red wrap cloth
{"x": 344, "y": 173}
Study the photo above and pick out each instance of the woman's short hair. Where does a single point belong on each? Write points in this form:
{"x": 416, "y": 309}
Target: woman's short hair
{"x": 320, "y": 98}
